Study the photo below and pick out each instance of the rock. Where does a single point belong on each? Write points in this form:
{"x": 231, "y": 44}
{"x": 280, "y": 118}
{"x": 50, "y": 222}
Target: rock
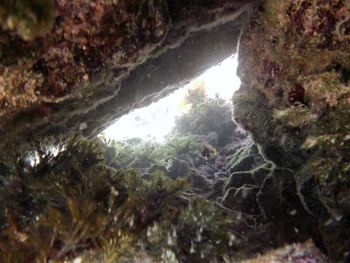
{"x": 70, "y": 66}
{"x": 294, "y": 100}
{"x": 302, "y": 252}
{"x": 100, "y": 59}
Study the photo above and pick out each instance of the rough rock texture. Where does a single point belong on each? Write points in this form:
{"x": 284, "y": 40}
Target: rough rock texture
{"x": 225, "y": 166}
{"x": 78, "y": 65}
{"x": 209, "y": 197}
{"x": 301, "y": 253}
{"x": 294, "y": 100}
{"x": 70, "y": 65}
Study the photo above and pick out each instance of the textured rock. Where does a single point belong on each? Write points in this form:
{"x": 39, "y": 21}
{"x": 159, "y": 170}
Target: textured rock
{"x": 101, "y": 58}
{"x": 236, "y": 176}
{"x": 301, "y": 253}
{"x": 81, "y": 64}
{"x": 294, "y": 100}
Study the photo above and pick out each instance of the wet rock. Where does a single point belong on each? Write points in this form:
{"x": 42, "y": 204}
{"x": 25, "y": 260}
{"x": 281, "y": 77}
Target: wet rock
{"x": 302, "y": 252}
{"x": 63, "y": 63}
{"x": 294, "y": 102}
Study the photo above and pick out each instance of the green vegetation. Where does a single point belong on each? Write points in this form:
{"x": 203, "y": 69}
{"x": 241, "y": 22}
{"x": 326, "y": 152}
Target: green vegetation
{"x": 110, "y": 201}
{"x": 64, "y": 199}
{"x": 203, "y": 119}
{"x": 295, "y": 103}
{"x": 203, "y": 116}
{"x": 138, "y": 154}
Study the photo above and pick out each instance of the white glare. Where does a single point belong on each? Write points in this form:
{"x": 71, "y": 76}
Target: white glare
{"x": 222, "y": 79}
{"x": 155, "y": 121}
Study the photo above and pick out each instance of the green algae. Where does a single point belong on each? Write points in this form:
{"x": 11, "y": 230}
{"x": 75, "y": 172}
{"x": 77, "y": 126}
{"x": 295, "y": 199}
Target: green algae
{"x": 300, "y": 67}
{"x": 60, "y": 196}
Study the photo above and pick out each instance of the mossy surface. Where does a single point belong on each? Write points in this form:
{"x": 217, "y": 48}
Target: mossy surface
{"x": 214, "y": 195}
{"x": 60, "y": 200}
{"x": 61, "y": 60}
{"x": 297, "y": 77}
{"x": 191, "y": 199}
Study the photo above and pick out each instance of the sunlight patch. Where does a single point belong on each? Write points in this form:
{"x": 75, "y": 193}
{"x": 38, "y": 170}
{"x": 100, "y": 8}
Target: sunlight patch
{"x": 155, "y": 121}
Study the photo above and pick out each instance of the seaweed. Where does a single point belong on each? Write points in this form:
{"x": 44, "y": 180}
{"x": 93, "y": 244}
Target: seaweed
{"x": 61, "y": 200}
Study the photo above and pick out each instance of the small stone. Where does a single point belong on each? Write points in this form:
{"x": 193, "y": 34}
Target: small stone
{"x": 293, "y": 212}
{"x": 86, "y": 77}
{"x": 83, "y": 126}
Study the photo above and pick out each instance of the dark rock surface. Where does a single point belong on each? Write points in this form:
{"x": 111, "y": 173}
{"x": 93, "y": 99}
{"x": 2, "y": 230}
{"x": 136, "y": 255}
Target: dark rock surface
{"x": 100, "y": 59}
{"x": 237, "y": 176}
{"x": 302, "y": 252}
{"x": 79, "y": 65}
{"x": 294, "y": 100}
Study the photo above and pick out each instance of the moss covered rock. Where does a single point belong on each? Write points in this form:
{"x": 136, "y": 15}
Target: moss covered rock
{"x": 296, "y": 80}
{"x": 63, "y": 63}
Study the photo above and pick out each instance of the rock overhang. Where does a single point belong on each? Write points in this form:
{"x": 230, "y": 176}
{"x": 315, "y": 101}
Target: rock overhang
{"x": 101, "y": 59}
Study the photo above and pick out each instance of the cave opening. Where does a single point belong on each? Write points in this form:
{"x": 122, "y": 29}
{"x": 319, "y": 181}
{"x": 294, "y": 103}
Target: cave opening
{"x": 179, "y": 180}
{"x": 156, "y": 121}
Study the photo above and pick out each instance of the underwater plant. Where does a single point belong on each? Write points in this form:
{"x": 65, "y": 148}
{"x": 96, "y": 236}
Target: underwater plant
{"x": 61, "y": 199}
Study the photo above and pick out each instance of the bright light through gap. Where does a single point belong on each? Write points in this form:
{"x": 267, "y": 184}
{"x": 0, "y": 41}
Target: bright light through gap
{"x": 155, "y": 121}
